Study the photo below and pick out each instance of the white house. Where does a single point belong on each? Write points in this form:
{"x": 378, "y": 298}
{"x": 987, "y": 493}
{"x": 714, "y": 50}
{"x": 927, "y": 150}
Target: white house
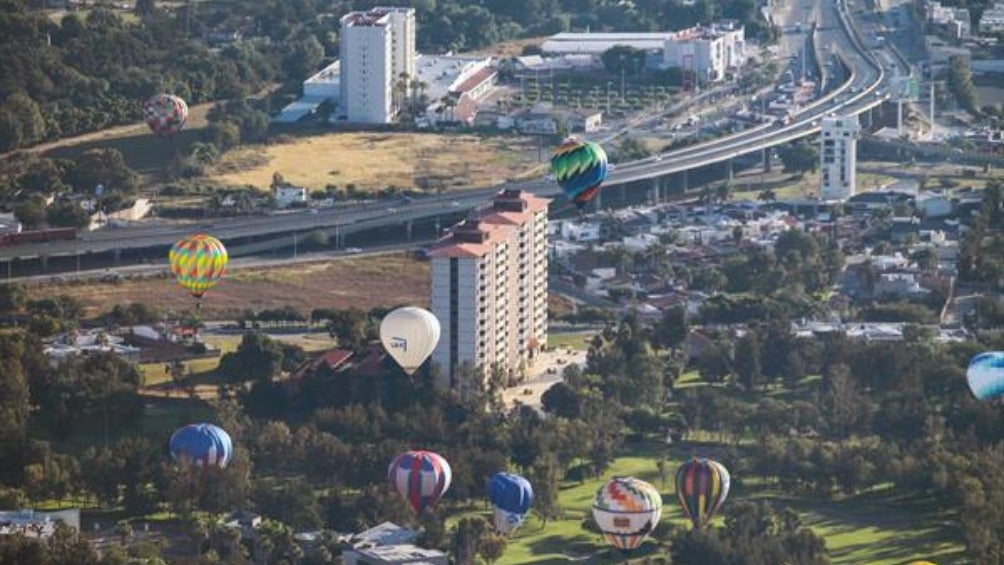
{"x": 639, "y": 242}
{"x": 580, "y": 231}
{"x": 934, "y": 205}
{"x": 900, "y": 285}
{"x": 597, "y": 277}
{"x": 286, "y": 196}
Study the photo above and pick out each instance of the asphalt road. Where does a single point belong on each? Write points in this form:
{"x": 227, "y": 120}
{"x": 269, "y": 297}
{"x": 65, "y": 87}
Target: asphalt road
{"x": 867, "y": 87}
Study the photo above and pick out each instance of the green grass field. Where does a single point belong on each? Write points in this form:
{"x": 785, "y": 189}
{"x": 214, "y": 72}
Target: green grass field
{"x": 873, "y": 528}
{"x": 571, "y": 340}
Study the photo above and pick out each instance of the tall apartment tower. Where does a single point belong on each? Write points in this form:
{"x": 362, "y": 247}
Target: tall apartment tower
{"x": 489, "y": 288}
{"x": 838, "y": 157}
{"x": 376, "y": 47}
{"x": 402, "y": 25}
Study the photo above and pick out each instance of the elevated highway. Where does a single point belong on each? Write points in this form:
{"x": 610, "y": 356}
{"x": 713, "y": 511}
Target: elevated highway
{"x": 867, "y": 87}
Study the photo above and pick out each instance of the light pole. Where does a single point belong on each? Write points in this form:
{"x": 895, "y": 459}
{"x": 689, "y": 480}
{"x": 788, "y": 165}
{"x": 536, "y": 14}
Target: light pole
{"x": 609, "y": 84}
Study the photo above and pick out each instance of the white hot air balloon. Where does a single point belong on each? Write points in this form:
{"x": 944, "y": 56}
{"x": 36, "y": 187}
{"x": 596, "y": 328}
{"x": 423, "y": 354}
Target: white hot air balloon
{"x": 409, "y": 335}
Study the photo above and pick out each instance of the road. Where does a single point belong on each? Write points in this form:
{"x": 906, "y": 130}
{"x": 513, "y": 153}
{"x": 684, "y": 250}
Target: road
{"x": 867, "y": 88}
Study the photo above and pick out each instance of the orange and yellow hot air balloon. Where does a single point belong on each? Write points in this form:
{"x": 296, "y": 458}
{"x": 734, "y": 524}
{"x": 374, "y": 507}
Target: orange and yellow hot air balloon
{"x": 198, "y": 262}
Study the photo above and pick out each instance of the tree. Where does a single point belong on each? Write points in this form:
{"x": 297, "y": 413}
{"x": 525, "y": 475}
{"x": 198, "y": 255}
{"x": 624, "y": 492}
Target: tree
{"x": 145, "y": 8}
{"x": 623, "y": 58}
{"x": 467, "y": 538}
{"x": 106, "y": 167}
{"x": 13, "y": 297}
{"x": 31, "y": 212}
{"x": 799, "y": 157}
{"x": 257, "y": 358}
{"x": 671, "y": 330}
{"x": 713, "y": 363}
{"x": 748, "y": 360}
{"x": 68, "y": 214}
{"x": 960, "y": 82}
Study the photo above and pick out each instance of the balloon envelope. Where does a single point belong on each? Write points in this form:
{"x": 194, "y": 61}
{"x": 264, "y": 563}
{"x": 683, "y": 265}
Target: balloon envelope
{"x": 165, "y": 114}
{"x": 702, "y": 486}
{"x": 580, "y": 167}
{"x": 986, "y": 374}
{"x": 422, "y": 477}
{"x": 198, "y": 262}
{"x": 626, "y": 509}
{"x": 511, "y": 497}
{"x": 202, "y": 445}
{"x": 409, "y": 335}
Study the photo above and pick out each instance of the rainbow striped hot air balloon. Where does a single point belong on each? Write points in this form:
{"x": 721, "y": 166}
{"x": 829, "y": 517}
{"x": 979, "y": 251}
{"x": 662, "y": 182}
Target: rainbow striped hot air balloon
{"x": 202, "y": 445}
{"x": 580, "y": 167}
{"x": 702, "y": 486}
{"x": 198, "y": 262}
{"x": 422, "y": 477}
{"x": 165, "y": 114}
{"x": 626, "y": 509}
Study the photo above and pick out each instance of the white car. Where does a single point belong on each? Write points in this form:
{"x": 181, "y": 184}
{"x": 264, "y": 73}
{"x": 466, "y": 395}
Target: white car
{"x": 455, "y": 204}
{"x": 353, "y": 250}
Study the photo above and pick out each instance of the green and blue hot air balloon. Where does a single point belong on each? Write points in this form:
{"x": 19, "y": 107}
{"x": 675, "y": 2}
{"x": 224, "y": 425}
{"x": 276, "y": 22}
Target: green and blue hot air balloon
{"x": 580, "y": 167}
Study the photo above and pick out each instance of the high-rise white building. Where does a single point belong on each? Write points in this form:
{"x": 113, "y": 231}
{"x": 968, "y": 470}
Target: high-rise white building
{"x": 489, "y": 288}
{"x": 838, "y": 157}
{"x": 706, "y": 51}
{"x": 376, "y": 47}
{"x": 402, "y": 41}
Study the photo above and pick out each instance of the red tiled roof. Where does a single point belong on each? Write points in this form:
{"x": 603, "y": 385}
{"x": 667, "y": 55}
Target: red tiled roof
{"x": 450, "y": 246}
{"x": 333, "y": 358}
{"x": 475, "y": 80}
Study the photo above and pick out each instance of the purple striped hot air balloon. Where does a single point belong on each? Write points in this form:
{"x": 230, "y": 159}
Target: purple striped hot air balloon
{"x": 422, "y": 477}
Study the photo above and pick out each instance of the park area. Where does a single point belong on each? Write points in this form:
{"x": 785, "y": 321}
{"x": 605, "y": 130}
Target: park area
{"x": 874, "y": 528}
{"x": 375, "y": 161}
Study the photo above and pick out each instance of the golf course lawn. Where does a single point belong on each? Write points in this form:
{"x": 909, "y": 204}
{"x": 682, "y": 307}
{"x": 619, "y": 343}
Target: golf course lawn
{"x": 874, "y": 528}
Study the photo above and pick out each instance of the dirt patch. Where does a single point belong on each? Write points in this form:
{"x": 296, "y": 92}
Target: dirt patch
{"x": 512, "y": 48}
{"x": 361, "y": 282}
{"x": 371, "y": 161}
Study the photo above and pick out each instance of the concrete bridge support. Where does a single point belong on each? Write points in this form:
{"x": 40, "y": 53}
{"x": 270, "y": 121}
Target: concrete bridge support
{"x": 768, "y": 159}
{"x": 408, "y": 228}
{"x": 117, "y": 255}
{"x": 44, "y": 260}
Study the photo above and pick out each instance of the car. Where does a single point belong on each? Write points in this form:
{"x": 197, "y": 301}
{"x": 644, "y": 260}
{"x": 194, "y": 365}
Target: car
{"x": 312, "y": 211}
{"x": 111, "y": 278}
{"x": 657, "y": 158}
{"x": 392, "y": 209}
{"x": 455, "y": 204}
{"x": 353, "y": 250}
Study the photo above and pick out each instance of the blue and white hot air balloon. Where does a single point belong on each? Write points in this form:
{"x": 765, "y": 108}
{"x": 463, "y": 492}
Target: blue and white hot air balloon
{"x": 202, "y": 445}
{"x": 511, "y": 497}
{"x": 986, "y": 374}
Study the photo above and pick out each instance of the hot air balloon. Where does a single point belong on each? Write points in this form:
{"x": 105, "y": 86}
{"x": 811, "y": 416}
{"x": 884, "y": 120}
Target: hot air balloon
{"x": 986, "y": 374}
{"x": 580, "y": 167}
{"x": 202, "y": 445}
{"x": 198, "y": 262}
{"x": 409, "y": 335}
{"x": 165, "y": 114}
{"x": 420, "y": 476}
{"x": 511, "y": 497}
{"x": 702, "y": 486}
{"x": 626, "y": 509}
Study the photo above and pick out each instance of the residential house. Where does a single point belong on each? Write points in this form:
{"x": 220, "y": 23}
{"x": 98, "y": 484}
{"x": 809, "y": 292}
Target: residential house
{"x": 934, "y": 204}
{"x": 898, "y": 285}
{"x": 286, "y": 195}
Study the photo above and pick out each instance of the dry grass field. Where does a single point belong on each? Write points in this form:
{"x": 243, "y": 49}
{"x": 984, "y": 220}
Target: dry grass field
{"x": 378, "y": 160}
{"x": 362, "y": 282}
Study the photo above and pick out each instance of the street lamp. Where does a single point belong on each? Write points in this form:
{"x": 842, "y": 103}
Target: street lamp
{"x": 609, "y": 84}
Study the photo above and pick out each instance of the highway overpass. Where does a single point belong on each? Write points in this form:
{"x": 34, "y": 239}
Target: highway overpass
{"x": 866, "y": 88}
